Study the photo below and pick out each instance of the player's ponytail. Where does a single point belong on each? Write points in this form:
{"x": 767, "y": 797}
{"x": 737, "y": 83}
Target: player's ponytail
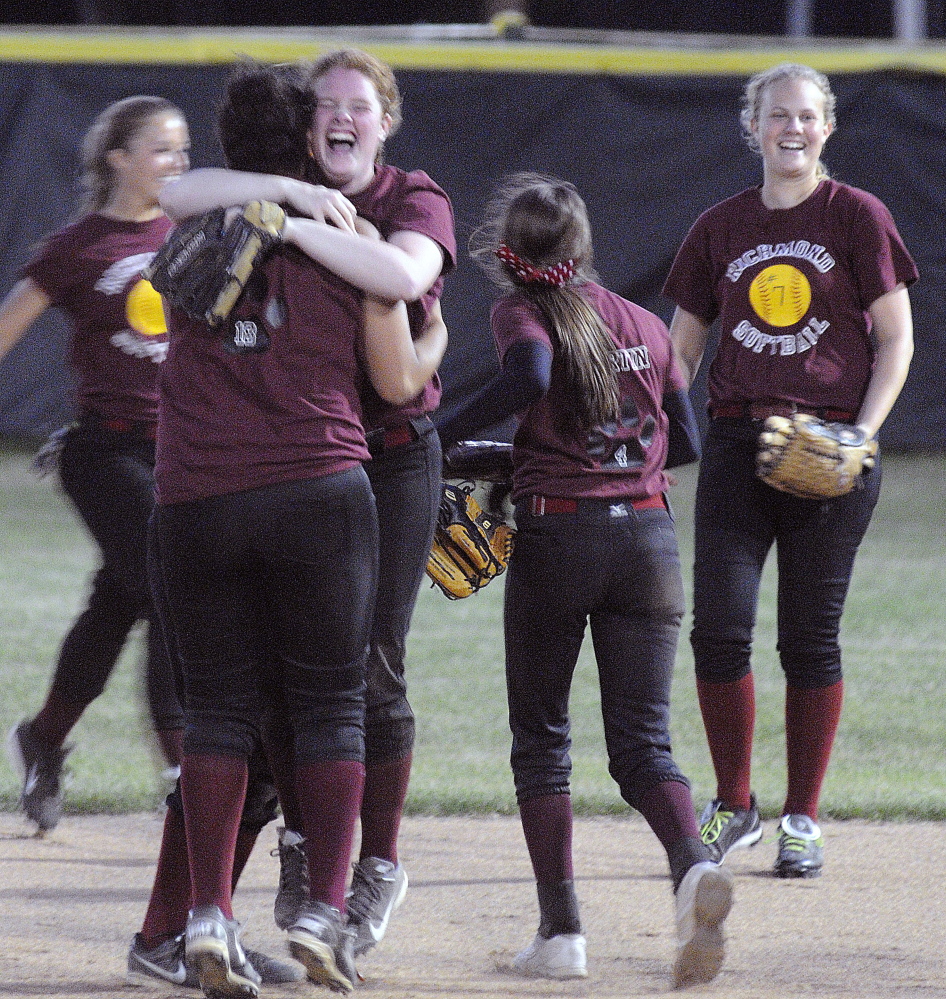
{"x": 537, "y": 240}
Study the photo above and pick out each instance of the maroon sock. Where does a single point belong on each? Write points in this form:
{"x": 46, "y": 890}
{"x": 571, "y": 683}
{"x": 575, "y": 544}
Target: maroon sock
{"x": 55, "y": 720}
{"x": 547, "y": 826}
{"x": 245, "y": 841}
{"x": 668, "y": 809}
{"x": 213, "y": 789}
{"x": 329, "y": 795}
{"x": 382, "y": 806}
{"x": 171, "y": 893}
{"x": 811, "y": 721}
{"x": 171, "y": 742}
{"x": 728, "y": 711}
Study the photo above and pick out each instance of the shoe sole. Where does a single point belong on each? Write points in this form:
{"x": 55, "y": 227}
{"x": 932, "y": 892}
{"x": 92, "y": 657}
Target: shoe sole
{"x": 318, "y": 959}
{"x": 743, "y": 843}
{"x": 217, "y": 978}
{"x": 553, "y": 974}
{"x": 364, "y": 943}
{"x": 701, "y": 958}
{"x": 797, "y": 872}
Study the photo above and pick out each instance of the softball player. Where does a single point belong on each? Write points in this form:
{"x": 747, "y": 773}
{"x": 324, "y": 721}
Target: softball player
{"x": 266, "y": 541}
{"x": 358, "y": 107}
{"x": 808, "y": 278}
{"x": 600, "y": 400}
{"x": 91, "y": 270}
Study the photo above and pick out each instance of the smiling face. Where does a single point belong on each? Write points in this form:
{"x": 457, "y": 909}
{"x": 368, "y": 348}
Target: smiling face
{"x": 348, "y": 130}
{"x": 791, "y": 129}
{"x": 158, "y": 152}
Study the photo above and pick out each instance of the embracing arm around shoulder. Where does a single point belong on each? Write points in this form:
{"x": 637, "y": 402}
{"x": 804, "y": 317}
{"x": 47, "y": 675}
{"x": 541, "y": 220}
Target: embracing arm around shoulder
{"x": 401, "y": 269}
{"x": 24, "y": 304}
{"x": 398, "y": 366}
{"x": 893, "y": 335}
{"x": 198, "y": 191}
{"x": 688, "y": 335}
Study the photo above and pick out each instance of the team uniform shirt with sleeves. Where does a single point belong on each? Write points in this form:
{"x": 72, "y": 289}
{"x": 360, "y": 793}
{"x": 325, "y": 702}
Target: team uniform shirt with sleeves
{"x": 271, "y": 397}
{"x": 552, "y": 455}
{"x": 791, "y": 288}
{"x": 92, "y": 271}
{"x": 398, "y": 201}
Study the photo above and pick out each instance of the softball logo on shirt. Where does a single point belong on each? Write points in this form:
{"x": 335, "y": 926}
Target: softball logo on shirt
{"x": 780, "y": 295}
{"x": 143, "y": 310}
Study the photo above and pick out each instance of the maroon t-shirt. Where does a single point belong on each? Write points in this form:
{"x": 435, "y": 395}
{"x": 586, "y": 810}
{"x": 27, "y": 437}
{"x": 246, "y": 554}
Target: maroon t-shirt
{"x": 272, "y": 396}
{"x": 398, "y": 201}
{"x": 92, "y": 271}
{"x": 552, "y": 455}
{"x": 791, "y": 288}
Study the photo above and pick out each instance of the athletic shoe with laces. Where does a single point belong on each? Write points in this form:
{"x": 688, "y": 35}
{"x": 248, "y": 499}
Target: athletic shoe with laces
{"x": 703, "y": 901}
{"x": 800, "y": 848}
{"x": 40, "y": 769}
{"x": 164, "y": 963}
{"x": 320, "y": 940}
{"x": 293, "y": 892}
{"x": 212, "y": 946}
{"x": 558, "y": 957}
{"x": 723, "y": 829}
{"x": 167, "y": 963}
{"x": 377, "y": 888}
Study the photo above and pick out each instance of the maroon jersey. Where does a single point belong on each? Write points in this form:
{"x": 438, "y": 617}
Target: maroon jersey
{"x": 92, "y": 271}
{"x": 552, "y": 454}
{"x": 272, "y": 396}
{"x": 791, "y": 288}
{"x": 397, "y": 201}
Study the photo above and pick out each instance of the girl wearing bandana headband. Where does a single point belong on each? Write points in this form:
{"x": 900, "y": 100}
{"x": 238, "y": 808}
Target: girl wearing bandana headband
{"x": 602, "y": 412}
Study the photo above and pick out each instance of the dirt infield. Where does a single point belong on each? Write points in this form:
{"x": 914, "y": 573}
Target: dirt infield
{"x": 873, "y": 926}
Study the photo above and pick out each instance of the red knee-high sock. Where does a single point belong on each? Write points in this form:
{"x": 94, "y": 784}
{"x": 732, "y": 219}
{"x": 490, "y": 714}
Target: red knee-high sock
{"x": 382, "y": 806}
{"x": 171, "y": 893}
{"x": 811, "y": 722}
{"x": 728, "y": 711}
{"x": 547, "y": 826}
{"x": 668, "y": 809}
{"x": 213, "y": 789}
{"x": 329, "y": 794}
{"x": 55, "y": 720}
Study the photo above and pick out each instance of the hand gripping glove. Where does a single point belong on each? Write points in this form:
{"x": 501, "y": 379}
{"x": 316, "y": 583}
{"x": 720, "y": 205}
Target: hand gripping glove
{"x": 470, "y": 548}
{"x": 207, "y": 260}
{"x": 807, "y": 457}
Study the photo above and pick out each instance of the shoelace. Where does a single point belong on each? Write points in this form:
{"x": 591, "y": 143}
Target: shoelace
{"x": 365, "y": 894}
{"x": 713, "y": 829}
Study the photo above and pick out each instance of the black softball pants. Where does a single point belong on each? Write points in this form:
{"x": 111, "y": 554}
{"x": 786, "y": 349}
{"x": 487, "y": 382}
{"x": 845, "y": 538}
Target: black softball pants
{"x": 406, "y": 484}
{"x": 617, "y": 569}
{"x": 109, "y": 477}
{"x": 269, "y": 596}
{"x": 738, "y": 520}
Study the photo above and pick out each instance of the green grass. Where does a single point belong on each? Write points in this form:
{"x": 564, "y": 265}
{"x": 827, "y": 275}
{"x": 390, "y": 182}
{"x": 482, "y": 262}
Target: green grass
{"x": 888, "y": 762}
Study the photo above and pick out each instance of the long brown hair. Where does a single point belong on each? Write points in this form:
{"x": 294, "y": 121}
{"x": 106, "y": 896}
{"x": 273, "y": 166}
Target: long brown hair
{"x": 115, "y": 128}
{"x": 544, "y": 221}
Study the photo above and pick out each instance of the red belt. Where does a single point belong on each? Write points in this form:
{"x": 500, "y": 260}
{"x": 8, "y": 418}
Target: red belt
{"x": 541, "y": 505}
{"x": 139, "y": 428}
{"x": 763, "y": 410}
{"x": 387, "y": 437}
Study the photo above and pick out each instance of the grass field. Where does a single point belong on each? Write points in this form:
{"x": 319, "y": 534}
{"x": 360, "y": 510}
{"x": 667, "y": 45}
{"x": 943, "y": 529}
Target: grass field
{"x": 889, "y": 761}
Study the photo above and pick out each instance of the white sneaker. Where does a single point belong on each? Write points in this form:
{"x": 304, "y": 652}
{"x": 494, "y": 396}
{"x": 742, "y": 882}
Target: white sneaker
{"x": 704, "y": 899}
{"x": 561, "y": 956}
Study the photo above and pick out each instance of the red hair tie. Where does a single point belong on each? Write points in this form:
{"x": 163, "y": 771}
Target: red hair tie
{"x": 557, "y": 275}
